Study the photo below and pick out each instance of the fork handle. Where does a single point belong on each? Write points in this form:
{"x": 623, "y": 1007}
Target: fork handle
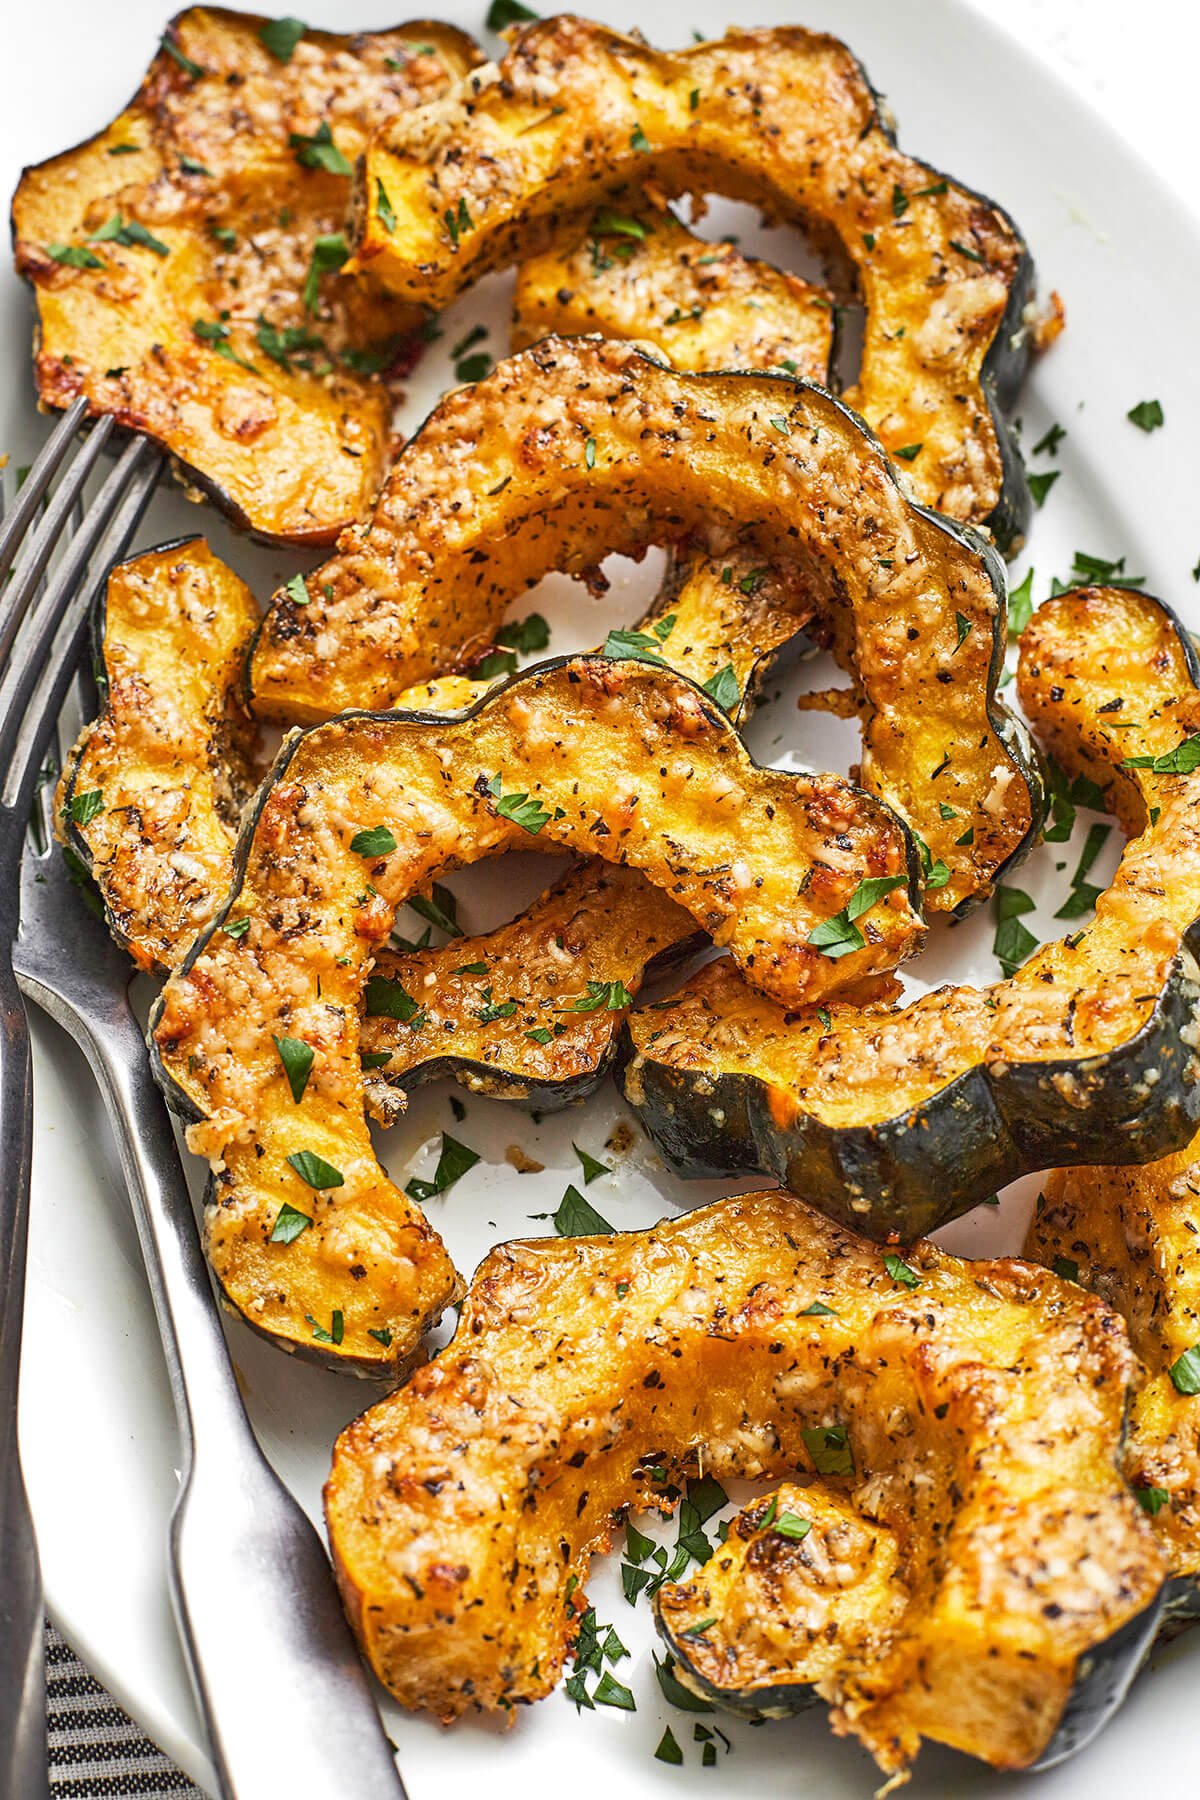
{"x": 282, "y": 1688}
{"x": 22, "y": 1667}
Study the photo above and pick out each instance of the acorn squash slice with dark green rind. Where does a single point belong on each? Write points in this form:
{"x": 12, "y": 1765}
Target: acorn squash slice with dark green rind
{"x": 979, "y": 1416}
{"x": 621, "y": 758}
{"x": 581, "y": 447}
{"x": 155, "y": 782}
{"x": 203, "y": 322}
{"x": 150, "y": 797}
{"x": 1132, "y": 1235}
{"x": 784, "y": 118}
{"x": 898, "y": 1120}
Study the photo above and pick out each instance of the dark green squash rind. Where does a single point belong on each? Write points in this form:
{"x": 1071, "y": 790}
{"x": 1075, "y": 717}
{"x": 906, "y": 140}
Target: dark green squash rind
{"x": 1103, "y": 1678}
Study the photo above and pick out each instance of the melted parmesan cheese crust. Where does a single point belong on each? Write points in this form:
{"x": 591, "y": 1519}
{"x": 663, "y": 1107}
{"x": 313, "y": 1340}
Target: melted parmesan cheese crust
{"x": 983, "y": 1410}
{"x": 785, "y": 119}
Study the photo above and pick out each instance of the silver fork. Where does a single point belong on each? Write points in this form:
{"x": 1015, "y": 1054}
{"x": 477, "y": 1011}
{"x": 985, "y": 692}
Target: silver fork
{"x": 283, "y": 1692}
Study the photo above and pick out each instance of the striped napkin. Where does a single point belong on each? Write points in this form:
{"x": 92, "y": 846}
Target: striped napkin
{"x": 96, "y": 1750}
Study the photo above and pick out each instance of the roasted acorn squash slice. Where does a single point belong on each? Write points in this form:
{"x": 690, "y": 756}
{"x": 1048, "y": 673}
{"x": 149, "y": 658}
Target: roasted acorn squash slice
{"x": 784, "y": 118}
{"x": 257, "y": 1034}
{"x": 184, "y": 262}
{"x": 1133, "y": 1236}
{"x": 579, "y": 448}
{"x": 897, "y": 1120}
{"x": 150, "y": 796}
{"x": 638, "y": 272}
{"x": 980, "y": 1413}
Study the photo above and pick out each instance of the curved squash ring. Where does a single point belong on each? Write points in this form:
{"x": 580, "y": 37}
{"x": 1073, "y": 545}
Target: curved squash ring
{"x": 897, "y": 1121}
{"x": 631, "y": 761}
{"x": 639, "y": 273}
{"x": 212, "y": 331}
{"x": 784, "y": 118}
{"x": 150, "y": 796}
{"x": 464, "y": 1509}
{"x": 580, "y": 447}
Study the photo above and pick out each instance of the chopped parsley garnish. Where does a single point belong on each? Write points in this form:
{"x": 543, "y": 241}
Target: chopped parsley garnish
{"x": 210, "y": 331}
{"x": 529, "y": 814}
{"x": 453, "y": 1163}
{"x": 329, "y": 252}
{"x": 456, "y": 222}
{"x": 296, "y": 591}
{"x": 611, "y": 996}
{"x": 724, "y": 688}
{"x": 289, "y": 1223}
{"x": 375, "y": 1059}
{"x": 503, "y": 13}
{"x": 838, "y": 935}
{"x": 818, "y": 1310}
{"x": 1047, "y": 444}
{"x": 1182, "y": 760}
{"x": 1013, "y": 943}
{"x": 540, "y": 1034}
{"x": 74, "y": 256}
{"x": 315, "y": 1170}
{"x": 966, "y": 250}
{"x": 781, "y": 425}
{"x": 899, "y": 201}
{"x": 608, "y": 223}
{"x": 525, "y": 635}
{"x": 185, "y": 62}
{"x": 1099, "y": 570}
{"x": 129, "y": 233}
{"x": 236, "y": 928}
{"x": 791, "y": 1525}
{"x": 131, "y": 150}
{"x": 376, "y": 840}
{"x": 297, "y": 1058}
{"x": 1147, "y": 415}
{"x": 591, "y": 1167}
{"x": 441, "y": 909}
{"x": 909, "y": 451}
{"x": 963, "y": 625}
{"x": 638, "y": 139}
{"x": 611, "y": 1692}
{"x": 1066, "y": 1268}
{"x": 190, "y": 166}
{"x": 1185, "y": 1371}
{"x": 385, "y": 212}
{"x": 900, "y": 1272}
{"x": 577, "y": 1217}
{"x": 385, "y": 998}
{"x": 1039, "y": 485}
{"x": 589, "y": 453}
{"x": 1020, "y": 605}
{"x": 1151, "y": 1499}
{"x": 668, "y": 1750}
{"x": 381, "y": 1335}
{"x": 634, "y": 643}
{"x": 473, "y": 368}
{"x": 319, "y": 151}
{"x": 83, "y": 808}
{"x": 337, "y": 1327}
{"x": 829, "y": 1447}
{"x": 280, "y": 37}
{"x": 291, "y": 343}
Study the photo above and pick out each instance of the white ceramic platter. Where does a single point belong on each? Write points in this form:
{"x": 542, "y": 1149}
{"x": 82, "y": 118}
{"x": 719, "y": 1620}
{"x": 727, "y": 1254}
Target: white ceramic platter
{"x": 96, "y": 1424}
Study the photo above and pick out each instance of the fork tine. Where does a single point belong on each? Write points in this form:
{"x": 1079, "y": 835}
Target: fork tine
{"x": 35, "y": 556}
{"x": 32, "y": 691}
{"x": 17, "y": 522}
